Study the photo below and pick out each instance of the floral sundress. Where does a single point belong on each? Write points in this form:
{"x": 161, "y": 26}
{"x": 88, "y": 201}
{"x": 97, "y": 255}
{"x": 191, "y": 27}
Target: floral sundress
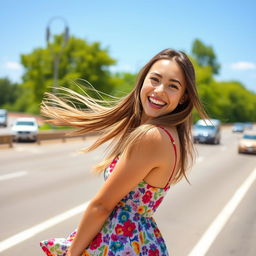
{"x": 129, "y": 230}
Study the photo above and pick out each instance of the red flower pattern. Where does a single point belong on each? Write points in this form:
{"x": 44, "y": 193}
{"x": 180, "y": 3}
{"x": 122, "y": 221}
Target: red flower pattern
{"x": 157, "y": 203}
{"x": 119, "y": 229}
{"x": 147, "y": 197}
{"x": 96, "y": 242}
{"x": 153, "y": 252}
{"x": 128, "y": 228}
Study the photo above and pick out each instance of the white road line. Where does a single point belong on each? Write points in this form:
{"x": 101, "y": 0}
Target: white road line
{"x": 199, "y": 159}
{"x": 212, "y": 232}
{"x": 33, "y": 150}
{"x": 12, "y": 175}
{"x": 28, "y": 233}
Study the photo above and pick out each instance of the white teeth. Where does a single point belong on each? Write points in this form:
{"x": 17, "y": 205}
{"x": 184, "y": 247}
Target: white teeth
{"x": 157, "y": 101}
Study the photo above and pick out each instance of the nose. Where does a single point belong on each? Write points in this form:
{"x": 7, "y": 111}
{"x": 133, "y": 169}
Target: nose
{"x": 159, "y": 89}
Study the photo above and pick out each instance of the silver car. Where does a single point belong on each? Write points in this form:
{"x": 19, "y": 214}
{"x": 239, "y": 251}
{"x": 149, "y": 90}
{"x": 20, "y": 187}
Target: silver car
{"x": 25, "y": 128}
{"x": 207, "y": 131}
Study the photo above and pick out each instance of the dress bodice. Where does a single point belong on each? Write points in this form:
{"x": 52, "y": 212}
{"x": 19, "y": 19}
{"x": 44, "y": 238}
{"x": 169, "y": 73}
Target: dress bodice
{"x": 143, "y": 200}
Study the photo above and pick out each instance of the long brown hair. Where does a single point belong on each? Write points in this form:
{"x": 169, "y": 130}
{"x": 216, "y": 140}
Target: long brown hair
{"x": 120, "y": 119}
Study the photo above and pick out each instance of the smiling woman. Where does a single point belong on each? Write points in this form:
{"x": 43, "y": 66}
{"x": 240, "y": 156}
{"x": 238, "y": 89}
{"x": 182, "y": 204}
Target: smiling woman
{"x": 163, "y": 89}
{"x": 151, "y": 132}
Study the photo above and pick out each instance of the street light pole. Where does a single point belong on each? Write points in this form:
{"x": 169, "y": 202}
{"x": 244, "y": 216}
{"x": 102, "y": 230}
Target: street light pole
{"x": 57, "y": 55}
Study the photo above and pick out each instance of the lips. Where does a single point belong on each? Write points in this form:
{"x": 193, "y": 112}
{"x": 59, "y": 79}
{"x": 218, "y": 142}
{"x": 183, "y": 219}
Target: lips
{"x": 156, "y": 103}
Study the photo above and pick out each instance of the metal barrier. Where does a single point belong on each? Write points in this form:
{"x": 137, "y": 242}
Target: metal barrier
{"x": 55, "y": 135}
{"x": 6, "y": 140}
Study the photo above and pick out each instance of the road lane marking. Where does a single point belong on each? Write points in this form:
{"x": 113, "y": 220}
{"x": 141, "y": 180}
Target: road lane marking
{"x": 28, "y": 233}
{"x": 199, "y": 159}
{"x": 33, "y": 150}
{"x": 212, "y": 232}
{"x": 12, "y": 175}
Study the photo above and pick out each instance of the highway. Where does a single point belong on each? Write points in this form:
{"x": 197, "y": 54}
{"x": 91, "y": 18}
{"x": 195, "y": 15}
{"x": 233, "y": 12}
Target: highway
{"x": 40, "y": 182}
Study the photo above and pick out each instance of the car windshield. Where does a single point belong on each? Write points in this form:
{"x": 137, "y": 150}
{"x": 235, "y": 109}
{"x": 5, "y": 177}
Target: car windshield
{"x": 25, "y": 123}
{"x": 205, "y": 127}
{"x": 249, "y": 137}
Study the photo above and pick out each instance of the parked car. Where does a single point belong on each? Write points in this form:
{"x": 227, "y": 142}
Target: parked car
{"x": 207, "y": 131}
{"x": 238, "y": 127}
{"x": 25, "y": 128}
{"x": 248, "y": 143}
{"x": 3, "y": 117}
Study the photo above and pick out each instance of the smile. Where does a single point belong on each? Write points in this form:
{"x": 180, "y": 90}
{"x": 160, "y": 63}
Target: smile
{"x": 156, "y": 103}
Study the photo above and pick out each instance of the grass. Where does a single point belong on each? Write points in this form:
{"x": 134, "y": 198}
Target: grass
{"x": 46, "y": 127}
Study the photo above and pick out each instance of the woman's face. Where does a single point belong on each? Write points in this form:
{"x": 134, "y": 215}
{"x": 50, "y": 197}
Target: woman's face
{"x": 162, "y": 90}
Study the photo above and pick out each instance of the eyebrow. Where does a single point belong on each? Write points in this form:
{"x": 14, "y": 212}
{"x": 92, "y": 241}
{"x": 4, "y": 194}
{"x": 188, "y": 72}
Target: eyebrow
{"x": 172, "y": 80}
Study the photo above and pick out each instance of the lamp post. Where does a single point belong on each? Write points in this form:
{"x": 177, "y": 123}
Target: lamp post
{"x": 57, "y": 54}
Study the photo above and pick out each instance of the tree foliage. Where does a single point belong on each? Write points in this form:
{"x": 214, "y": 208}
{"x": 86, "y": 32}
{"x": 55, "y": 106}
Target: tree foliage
{"x": 228, "y": 101}
{"x": 9, "y": 92}
{"x": 205, "y": 55}
{"x": 78, "y": 59}
{"x": 123, "y": 83}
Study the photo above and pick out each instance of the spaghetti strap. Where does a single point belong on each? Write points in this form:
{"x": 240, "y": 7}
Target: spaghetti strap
{"x": 175, "y": 152}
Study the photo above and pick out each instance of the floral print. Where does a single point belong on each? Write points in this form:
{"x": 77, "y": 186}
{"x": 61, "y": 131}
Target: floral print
{"x": 130, "y": 229}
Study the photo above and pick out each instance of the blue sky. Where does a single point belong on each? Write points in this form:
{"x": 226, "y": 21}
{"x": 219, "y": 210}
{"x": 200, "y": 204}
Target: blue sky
{"x": 134, "y": 31}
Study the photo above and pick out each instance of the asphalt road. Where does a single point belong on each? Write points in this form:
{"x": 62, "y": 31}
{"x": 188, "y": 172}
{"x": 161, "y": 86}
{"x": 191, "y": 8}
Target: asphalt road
{"x": 53, "y": 178}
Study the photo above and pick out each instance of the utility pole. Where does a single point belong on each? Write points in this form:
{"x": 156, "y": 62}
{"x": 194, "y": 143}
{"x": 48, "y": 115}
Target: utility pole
{"x": 57, "y": 54}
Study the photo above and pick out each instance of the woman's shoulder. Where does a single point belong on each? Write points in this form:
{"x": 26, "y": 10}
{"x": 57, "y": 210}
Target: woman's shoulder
{"x": 160, "y": 133}
{"x": 159, "y": 139}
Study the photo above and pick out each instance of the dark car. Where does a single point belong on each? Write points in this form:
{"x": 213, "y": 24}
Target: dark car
{"x": 207, "y": 131}
{"x": 238, "y": 127}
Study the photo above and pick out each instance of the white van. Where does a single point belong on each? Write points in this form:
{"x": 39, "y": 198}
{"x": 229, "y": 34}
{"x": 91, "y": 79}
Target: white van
{"x": 25, "y": 128}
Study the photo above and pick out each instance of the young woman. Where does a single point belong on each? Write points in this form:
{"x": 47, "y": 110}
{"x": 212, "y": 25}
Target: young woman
{"x": 151, "y": 132}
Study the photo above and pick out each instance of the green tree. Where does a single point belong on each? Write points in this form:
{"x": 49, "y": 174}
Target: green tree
{"x": 123, "y": 83}
{"x": 79, "y": 59}
{"x": 9, "y": 92}
{"x": 205, "y": 55}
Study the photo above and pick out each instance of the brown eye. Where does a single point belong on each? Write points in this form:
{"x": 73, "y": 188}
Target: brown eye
{"x": 174, "y": 86}
{"x": 154, "y": 79}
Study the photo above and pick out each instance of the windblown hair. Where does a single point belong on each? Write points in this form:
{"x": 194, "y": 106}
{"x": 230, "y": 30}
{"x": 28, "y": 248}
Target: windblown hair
{"x": 120, "y": 120}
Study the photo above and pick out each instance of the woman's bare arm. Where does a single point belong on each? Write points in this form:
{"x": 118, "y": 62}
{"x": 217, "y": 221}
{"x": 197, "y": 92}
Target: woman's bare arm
{"x": 129, "y": 171}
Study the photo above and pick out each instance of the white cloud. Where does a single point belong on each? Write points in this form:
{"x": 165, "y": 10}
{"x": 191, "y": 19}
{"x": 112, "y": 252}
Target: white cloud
{"x": 12, "y": 65}
{"x": 243, "y": 65}
{"x": 11, "y": 69}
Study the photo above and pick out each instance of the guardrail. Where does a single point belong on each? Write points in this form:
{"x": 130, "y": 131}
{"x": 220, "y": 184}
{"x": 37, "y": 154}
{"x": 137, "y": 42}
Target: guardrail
{"x": 7, "y": 140}
{"x": 55, "y": 135}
